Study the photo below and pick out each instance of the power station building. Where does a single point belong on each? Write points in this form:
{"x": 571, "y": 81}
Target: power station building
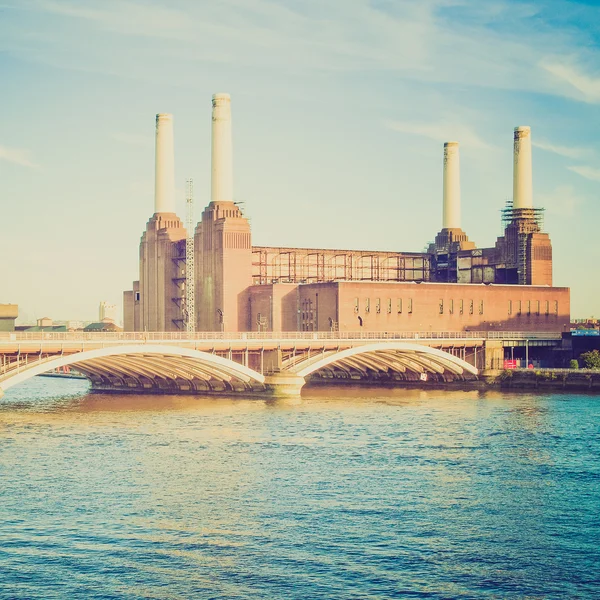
{"x": 453, "y": 286}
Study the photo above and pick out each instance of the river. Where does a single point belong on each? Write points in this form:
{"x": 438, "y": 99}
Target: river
{"x": 345, "y": 493}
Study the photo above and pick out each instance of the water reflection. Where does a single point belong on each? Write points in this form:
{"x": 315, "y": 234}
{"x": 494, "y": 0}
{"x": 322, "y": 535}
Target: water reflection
{"x": 341, "y": 494}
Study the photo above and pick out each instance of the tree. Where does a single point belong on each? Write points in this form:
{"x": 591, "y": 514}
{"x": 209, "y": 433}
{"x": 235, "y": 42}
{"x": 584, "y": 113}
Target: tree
{"x": 573, "y": 364}
{"x": 591, "y": 359}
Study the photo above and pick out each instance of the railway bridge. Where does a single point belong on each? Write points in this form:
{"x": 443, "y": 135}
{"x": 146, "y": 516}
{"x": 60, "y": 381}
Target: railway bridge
{"x": 253, "y": 362}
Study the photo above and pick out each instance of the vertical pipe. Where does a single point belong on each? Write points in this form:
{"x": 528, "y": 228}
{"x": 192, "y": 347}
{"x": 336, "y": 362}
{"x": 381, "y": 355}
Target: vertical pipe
{"x": 451, "y": 216}
{"x": 222, "y": 153}
{"x": 164, "y": 186}
{"x": 522, "y": 170}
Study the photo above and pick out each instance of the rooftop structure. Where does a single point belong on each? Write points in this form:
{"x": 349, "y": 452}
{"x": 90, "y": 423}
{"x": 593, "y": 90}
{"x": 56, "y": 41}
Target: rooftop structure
{"x": 8, "y": 315}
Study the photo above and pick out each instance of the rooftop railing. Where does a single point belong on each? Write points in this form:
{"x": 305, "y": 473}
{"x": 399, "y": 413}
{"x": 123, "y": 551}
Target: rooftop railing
{"x": 78, "y": 336}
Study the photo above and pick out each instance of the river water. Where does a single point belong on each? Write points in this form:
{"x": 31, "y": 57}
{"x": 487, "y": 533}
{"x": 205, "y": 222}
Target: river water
{"x": 342, "y": 494}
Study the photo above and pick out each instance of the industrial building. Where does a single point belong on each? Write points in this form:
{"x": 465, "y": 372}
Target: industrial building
{"x": 214, "y": 279}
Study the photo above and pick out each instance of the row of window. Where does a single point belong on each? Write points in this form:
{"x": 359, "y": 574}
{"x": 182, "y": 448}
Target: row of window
{"x": 400, "y": 305}
{"x": 460, "y": 306}
{"x": 529, "y": 307}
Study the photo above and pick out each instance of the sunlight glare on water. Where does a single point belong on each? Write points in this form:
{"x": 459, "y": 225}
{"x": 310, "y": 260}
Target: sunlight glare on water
{"x": 345, "y": 493}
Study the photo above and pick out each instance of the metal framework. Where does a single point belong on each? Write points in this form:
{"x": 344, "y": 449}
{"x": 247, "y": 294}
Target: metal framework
{"x": 312, "y": 265}
{"x": 190, "y": 300}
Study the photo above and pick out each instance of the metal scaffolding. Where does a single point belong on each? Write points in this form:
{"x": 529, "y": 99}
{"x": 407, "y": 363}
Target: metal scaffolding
{"x": 190, "y": 301}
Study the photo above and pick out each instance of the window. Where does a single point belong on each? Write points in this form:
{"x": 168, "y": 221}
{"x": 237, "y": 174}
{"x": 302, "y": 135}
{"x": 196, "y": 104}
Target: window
{"x": 136, "y": 296}
{"x": 367, "y": 305}
{"x": 538, "y": 307}
{"x": 399, "y": 306}
{"x": 451, "y": 307}
{"x": 528, "y": 307}
{"x": 441, "y": 306}
{"x": 461, "y": 308}
{"x": 510, "y": 307}
{"x": 471, "y": 307}
{"x": 481, "y": 307}
{"x": 389, "y": 306}
{"x": 377, "y": 305}
{"x": 556, "y": 307}
{"x": 519, "y": 307}
{"x": 356, "y": 305}
{"x": 547, "y": 307}
{"x": 410, "y": 305}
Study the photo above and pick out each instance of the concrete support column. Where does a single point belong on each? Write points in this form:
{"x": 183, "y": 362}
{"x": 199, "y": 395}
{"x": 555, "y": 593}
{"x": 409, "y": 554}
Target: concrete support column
{"x": 494, "y": 355}
{"x": 522, "y": 169}
{"x": 451, "y": 216}
{"x": 164, "y": 185}
{"x": 284, "y": 385}
{"x": 222, "y": 152}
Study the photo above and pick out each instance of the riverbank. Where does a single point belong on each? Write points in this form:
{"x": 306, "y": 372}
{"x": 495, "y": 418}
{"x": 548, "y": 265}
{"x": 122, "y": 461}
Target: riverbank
{"x": 547, "y": 379}
{"x": 584, "y": 380}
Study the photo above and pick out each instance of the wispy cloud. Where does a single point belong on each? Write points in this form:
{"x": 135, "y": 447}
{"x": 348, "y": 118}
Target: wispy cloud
{"x": 455, "y": 42}
{"x": 586, "y": 84}
{"x": 566, "y": 151}
{"x": 132, "y": 139}
{"x": 590, "y": 173}
{"x": 563, "y": 201}
{"x": 440, "y": 132}
{"x": 141, "y": 18}
{"x": 16, "y": 156}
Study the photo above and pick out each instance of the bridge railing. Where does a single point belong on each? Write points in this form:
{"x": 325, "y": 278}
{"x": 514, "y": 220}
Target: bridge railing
{"x": 152, "y": 336}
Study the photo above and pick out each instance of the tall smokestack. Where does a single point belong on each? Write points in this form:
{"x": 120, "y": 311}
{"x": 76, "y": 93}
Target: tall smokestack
{"x": 451, "y": 217}
{"x": 522, "y": 177}
{"x": 164, "y": 184}
{"x": 222, "y": 155}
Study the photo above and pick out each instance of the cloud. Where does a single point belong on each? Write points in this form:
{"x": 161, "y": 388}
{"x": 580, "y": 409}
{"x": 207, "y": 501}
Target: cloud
{"x": 17, "y": 157}
{"x": 587, "y": 85}
{"x": 132, "y": 139}
{"x": 563, "y": 201}
{"x": 565, "y": 151}
{"x": 122, "y": 16}
{"x": 456, "y": 42}
{"x": 440, "y": 132}
{"x": 590, "y": 173}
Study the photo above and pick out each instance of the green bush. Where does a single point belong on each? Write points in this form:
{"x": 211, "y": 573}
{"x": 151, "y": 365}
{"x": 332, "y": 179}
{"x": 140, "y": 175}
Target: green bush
{"x": 574, "y": 364}
{"x": 591, "y": 359}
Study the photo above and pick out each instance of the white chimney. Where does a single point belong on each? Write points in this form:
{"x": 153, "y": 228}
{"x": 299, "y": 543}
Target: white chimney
{"x": 522, "y": 175}
{"x": 164, "y": 186}
{"x": 222, "y": 154}
{"x": 451, "y": 217}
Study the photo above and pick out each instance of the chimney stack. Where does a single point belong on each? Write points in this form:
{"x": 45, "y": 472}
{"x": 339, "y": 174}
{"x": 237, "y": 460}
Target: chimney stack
{"x": 451, "y": 216}
{"x": 164, "y": 185}
{"x": 522, "y": 176}
{"x": 222, "y": 155}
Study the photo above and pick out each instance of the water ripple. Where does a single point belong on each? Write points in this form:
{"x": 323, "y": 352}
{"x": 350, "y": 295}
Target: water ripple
{"x": 366, "y": 494}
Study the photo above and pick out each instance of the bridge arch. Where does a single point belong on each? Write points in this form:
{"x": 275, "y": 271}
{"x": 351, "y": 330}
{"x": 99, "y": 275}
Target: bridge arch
{"x": 399, "y": 356}
{"x": 146, "y": 367}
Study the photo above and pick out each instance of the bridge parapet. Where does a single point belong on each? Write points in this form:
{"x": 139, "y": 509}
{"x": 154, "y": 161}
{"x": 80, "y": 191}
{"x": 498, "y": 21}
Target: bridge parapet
{"x": 203, "y": 336}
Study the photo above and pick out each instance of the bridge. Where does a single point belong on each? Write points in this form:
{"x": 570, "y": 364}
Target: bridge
{"x": 253, "y": 362}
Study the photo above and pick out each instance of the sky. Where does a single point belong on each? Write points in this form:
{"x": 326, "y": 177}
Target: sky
{"x": 340, "y": 110}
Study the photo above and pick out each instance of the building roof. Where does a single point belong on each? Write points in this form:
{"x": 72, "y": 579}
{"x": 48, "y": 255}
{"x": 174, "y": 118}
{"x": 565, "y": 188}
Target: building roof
{"x": 102, "y": 326}
{"x": 36, "y": 328}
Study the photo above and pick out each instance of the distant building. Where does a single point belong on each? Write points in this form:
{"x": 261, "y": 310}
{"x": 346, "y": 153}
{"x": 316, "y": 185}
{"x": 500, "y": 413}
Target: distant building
{"x": 102, "y": 326}
{"x": 8, "y": 316}
{"x": 45, "y": 322}
{"x": 107, "y": 311}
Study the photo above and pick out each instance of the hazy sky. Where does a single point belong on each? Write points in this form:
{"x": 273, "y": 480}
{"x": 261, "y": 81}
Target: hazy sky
{"x": 340, "y": 110}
